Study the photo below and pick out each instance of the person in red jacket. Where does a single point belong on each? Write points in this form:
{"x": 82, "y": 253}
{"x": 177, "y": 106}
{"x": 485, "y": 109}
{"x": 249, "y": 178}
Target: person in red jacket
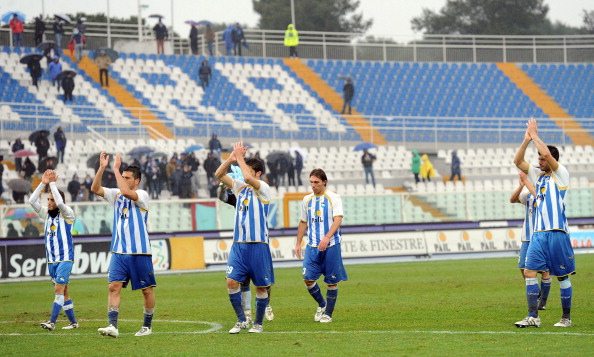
{"x": 17, "y": 27}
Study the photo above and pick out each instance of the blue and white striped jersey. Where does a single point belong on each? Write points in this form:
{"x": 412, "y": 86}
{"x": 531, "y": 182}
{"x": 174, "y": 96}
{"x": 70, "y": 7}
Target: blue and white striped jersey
{"x": 129, "y": 232}
{"x": 319, "y": 212}
{"x": 528, "y": 200}
{"x": 58, "y": 230}
{"x": 551, "y": 191}
{"x": 251, "y": 212}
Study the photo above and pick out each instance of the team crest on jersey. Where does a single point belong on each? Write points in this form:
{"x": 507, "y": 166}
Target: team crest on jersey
{"x": 53, "y": 229}
{"x": 245, "y": 205}
{"x": 124, "y": 214}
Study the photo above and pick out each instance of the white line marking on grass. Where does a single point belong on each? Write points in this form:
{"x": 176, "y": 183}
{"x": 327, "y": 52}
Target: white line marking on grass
{"x": 213, "y": 327}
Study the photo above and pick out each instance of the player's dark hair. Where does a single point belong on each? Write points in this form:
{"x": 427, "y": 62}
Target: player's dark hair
{"x": 48, "y": 190}
{"x": 554, "y": 152}
{"x": 319, "y": 173}
{"x": 256, "y": 164}
{"x": 135, "y": 170}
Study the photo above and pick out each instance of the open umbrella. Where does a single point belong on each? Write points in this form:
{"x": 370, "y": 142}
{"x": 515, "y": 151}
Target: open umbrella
{"x": 191, "y": 22}
{"x": 63, "y": 17}
{"x": 160, "y": 155}
{"x": 46, "y": 45}
{"x": 364, "y": 146}
{"x": 48, "y": 163}
{"x": 112, "y": 54}
{"x": 141, "y": 150}
{"x": 24, "y": 153}
{"x": 20, "y": 213}
{"x": 276, "y": 156}
{"x": 19, "y": 185}
{"x": 6, "y": 17}
{"x": 31, "y": 58}
{"x": 192, "y": 148}
{"x": 36, "y": 134}
{"x": 156, "y": 16}
{"x": 66, "y": 73}
{"x": 93, "y": 162}
{"x": 203, "y": 23}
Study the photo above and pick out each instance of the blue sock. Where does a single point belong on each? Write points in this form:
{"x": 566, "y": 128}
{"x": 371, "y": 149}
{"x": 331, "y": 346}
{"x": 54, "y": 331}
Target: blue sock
{"x": 57, "y": 307}
{"x": 532, "y": 291}
{"x": 315, "y": 292}
{"x": 69, "y": 310}
{"x": 148, "y": 317}
{"x": 261, "y": 304}
{"x": 566, "y": 294}
{"x": 112, "y": 316}
{"x": 545, "y": 287}
{"x": 235, "y": 298}
{"x": 331, "y": 296}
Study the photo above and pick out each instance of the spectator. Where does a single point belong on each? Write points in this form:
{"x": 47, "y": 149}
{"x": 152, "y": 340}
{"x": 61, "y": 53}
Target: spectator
{"x": 291, "y": 172}
{"x": 211, "y": 164}
{"x": 87, "y": 183}
{"x": 298, "y": 166}
{"x": 415, "y": 165}
{"x": 367, "y": 160}
{"x": 238, "y": 38}
{"x": 104, "y": 228}
{"x": 176, "y": 180}
{"x": 18, "y": 162}
{"x": 291, "y": 40}
{"x": 228, "y": 39}
{"x": 55, "y": 68}
{"x": 79, "y": 42}
{"x": 39, "y": 30}
{"x": 427, "y": 170}
{"x": 1, "y": 174}
{"x": 194, "y": 39}
{"x": 153, "y": 177}
{"x": 74, "y": 188}
{"x": 209, "y": 36}
{"x": 48, "y": 164}
{"x": 35, "y": 71}
{"x": 205, "y": 74}
{"x": 12, "y": 232}
{"x": 169, "y": 169}
{"x": 30, "y": 230}
{"x": 215, "y": 145}
{"x": 186, "y": 183}
{"x": 60, "y": 139}
{"x": 58, "y": 28}
{"x": 80, "y": 26}
{"x": 42, "y": 144}
{"x": 213, "y": 185}
{"x": 456, "y": 170}
{"x": 29, "y": 169}
{"x": 348, "y": 92}
{"x": 68, "y": 87}
{"x": 161, "y": 35}
{"x": 16, "y": 27}
{"x": 103, "y": 61}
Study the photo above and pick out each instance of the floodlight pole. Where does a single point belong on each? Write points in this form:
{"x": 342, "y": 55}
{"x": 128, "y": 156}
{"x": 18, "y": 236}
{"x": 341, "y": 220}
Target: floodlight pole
{"x": 293, "y": 13}
{"x": 139, "y": 22}
{"x": 108, "y": 26}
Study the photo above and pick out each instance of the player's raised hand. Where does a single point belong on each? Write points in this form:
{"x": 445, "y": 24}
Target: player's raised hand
{"x": 117, "y": 162}
{"x": 53, "y": 176}
{"x": 103, "y": 160}
{"x": 523, "y": 177}
{"x": 532, "y": 128}
{"x": 239, "y": 150}
{"x": 45, "y": 177}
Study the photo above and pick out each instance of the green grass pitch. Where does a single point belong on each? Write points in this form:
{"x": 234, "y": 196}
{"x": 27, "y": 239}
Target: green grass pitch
{"x": 464, "y": 307}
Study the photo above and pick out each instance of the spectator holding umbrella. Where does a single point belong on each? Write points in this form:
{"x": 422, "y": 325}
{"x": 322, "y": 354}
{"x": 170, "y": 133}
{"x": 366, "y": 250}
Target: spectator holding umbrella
{"x": 16, "y": 146}
{"x": 16, "y": 27}
{"x": 35, "y": 70}
{"x": 194, "y": 39}
{"x": 12, "y": 232}
{"x": 161, "y": 35}
{"x": 39, "y": 30}
{"x": 30, "y": 230}
{"x": 79, "y": 43}
{"x": 209, "y": 36}
{"x": 29, "y": 169}
{"x": 42, "y": 144}
{"x": 60, "y": 139}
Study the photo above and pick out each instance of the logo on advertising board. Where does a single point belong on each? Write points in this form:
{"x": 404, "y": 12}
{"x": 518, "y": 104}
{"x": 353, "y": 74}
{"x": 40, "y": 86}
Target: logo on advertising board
{"x": 464, "y": 243}
{"x": 487, "y": 243}
{"x": 160, "y": 256}
{"x": 511, "y": 243}
{"x": 221, "y": 253}
{"x": 441, "y": 245}
{"x": 275, "y": 250}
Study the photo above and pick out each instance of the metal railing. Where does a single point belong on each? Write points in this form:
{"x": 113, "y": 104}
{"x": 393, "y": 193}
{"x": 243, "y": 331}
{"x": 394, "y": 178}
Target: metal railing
{"x": 354, "y": 46}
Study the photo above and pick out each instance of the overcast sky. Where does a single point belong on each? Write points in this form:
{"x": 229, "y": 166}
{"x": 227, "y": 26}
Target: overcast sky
{"x": 391, "y": 17}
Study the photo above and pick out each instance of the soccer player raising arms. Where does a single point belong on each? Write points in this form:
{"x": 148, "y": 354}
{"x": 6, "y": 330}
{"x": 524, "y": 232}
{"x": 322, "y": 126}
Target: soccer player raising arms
{"x": 250, "y": 253}
{"x": 550, "y": 248}
{"x": 321, "y": 216}
{"x": 131, "y": 258}
{"x": 59, "y": 248}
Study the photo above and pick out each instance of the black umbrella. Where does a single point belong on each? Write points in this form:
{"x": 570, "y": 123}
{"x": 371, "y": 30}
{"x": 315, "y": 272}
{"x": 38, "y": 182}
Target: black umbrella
{"x": 63, "y": 17}
{"x": 48, "y": 163}
{"x": 31, "y": 58}
{"x": 275, "y": 156}
{"x": 112, "y": 54}
{"x": 156, "y": 16}
{"x": 66, "y": 73}
{"x": 46, "y": 45}
{"x": 93, "y": 162}
{"x": 161, "y": 155}
{"x": 141, "y": 150}
{"x": 19, "y": 185}
{"x": 36, "y": 134}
